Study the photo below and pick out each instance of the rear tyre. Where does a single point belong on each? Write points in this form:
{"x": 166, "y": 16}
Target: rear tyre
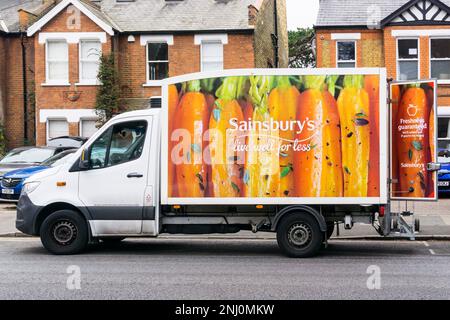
{"x": 64, "y": 232}
{"x": 299, "y": 236}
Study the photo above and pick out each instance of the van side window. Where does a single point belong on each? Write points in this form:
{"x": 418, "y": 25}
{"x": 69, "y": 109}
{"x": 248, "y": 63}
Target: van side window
{"x": 99, "y": 150}
{"x": 127, "y": 142}
{"x": 122, "y": 143}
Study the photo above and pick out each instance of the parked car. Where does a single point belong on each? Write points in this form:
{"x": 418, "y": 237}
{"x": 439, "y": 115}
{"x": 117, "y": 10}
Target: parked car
{"x": 25, "y": 157}
{"x": 444, "y": 173}
{"x": 67, "y": 142}
{"x": 12, "y": 182}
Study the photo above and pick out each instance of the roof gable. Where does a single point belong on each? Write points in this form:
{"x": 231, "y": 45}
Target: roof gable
{"x": 419, "y": 12}
{"x": 87, "y": 10}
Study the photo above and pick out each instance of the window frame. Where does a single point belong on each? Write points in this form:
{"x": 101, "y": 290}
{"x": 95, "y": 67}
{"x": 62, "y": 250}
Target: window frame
{"x": 82, "y": 81}
{"x": 355, "y": 43}
{"x": 80, "y": 124}
{"x": 448, "y": 129}
{"x": 156, "y": 82}
{"x": 397, "y": 56}
{"x": 47, "y": 126}
{"x": 48, "y": 81}
{"x": 440, "y": 81}
{"x": 108, "y": 148}
{"x": 216, "y": 41}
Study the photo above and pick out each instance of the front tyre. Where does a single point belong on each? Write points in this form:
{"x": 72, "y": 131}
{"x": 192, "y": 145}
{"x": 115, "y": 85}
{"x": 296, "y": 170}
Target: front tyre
{"x": 299, "y": 236}
{"x": 64, "y": 232}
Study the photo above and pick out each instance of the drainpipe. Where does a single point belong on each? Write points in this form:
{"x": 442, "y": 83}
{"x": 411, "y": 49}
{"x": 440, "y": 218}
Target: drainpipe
{"x": 25, "y": 89}
{"x": 275, "y": 35}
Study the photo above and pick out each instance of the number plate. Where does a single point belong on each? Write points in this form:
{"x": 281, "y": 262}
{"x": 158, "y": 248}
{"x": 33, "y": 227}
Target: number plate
{"x": 8, "y": 191}
{"x": 444, "y": 183}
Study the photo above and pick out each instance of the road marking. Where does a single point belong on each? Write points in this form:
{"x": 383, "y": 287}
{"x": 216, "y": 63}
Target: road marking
{"x": 426, "y": 244}
{"x": 432, "y": 252}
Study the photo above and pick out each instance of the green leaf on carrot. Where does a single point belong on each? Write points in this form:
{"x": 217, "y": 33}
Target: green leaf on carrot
{"x": 417, "y": 145}
{"x": 235, "y": 187}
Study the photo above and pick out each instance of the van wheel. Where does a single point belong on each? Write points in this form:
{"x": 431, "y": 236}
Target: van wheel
{"x": 64, "y": 232}
{"x": 299, "y": 236}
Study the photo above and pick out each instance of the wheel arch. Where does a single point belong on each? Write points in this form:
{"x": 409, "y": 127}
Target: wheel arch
{"x": 303, "y": 209}
{"x": 57, "y": 206}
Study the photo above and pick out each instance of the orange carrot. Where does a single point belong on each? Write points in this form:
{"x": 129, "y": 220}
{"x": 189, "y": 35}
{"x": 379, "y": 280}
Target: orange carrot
{"x": 283, "y": 102}
{"x": 413, "y": 150}
{"x": 173, "y": 104}
{"x": 318, "y": 169}
{"x": 226, "y": 169}
{"x": 193, "y": 117}
{"x": 394, "y": 170}
{"x": 354, "y": 113}
{"x": 372, "y": 86}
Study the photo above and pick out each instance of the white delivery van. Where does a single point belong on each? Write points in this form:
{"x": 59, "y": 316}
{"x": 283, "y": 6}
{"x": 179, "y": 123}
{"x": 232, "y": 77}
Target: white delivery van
{"x": 288, "y": 151}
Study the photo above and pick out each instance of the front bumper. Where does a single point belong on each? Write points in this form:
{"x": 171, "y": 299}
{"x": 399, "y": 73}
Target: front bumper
{"x": 27, "y": 213}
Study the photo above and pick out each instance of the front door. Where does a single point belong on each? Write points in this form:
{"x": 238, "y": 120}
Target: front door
{"x": 114, "y": 187}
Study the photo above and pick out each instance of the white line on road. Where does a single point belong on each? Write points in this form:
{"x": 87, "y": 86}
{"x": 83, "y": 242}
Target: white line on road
{"x": 432, "y": 252}
{"x": 426, "y": 244}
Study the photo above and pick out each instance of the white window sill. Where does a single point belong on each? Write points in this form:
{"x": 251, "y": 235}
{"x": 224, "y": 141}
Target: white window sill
{"x": 443, "y": 81}
{"x": 155, "y": 83}
{"x": 56, "y": 84}
{"x": 87, "y": 83}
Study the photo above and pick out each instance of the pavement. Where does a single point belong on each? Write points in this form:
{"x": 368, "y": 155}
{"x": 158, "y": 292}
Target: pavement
{"x": 159, "y": 269}
{"x": 434, "y": 221}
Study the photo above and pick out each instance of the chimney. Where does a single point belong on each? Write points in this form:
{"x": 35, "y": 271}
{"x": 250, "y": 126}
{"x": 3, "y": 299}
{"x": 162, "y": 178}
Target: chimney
{"x": 252, "y": 13}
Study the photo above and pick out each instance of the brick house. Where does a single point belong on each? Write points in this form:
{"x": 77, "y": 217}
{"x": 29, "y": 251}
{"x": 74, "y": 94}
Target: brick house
{"x": 50, "y": 51}
{"x": 410, "y": 38}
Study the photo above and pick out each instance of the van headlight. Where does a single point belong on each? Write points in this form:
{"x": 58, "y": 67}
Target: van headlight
{"x": 29, "y": 187}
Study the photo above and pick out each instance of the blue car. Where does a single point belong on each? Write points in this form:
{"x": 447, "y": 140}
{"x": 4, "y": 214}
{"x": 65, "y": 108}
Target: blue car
{"x": 12, "y": 182}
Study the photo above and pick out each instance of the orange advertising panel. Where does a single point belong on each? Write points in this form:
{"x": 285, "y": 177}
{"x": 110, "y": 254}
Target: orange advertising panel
{"x": 301, "y": 136}
{"x": 413, "y": 136}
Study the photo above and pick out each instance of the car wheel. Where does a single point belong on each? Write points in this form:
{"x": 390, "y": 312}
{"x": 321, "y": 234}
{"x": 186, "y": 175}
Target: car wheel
{"x": 299, "y": 236}
{"x": 64, "y": 232}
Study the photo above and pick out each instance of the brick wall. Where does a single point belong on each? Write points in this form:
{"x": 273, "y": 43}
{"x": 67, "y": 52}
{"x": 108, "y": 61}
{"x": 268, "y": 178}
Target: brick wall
{"x": 369, "y": 49}
{"x": 264, "y": 51}
{"x": 14, "y": 97}
{"x": 57, "y": 97}
{"x": 2, "y": 77}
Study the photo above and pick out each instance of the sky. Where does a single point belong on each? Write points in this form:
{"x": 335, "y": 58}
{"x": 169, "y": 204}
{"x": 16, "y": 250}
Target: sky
{"x": 301, "y": 13}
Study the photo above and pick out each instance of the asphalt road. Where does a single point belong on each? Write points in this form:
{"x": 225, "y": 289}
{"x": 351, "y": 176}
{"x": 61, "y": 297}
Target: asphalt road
{"x": 225, "y": 269}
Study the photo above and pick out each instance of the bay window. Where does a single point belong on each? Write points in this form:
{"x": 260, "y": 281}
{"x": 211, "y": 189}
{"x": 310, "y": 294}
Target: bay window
{"x": 408, "y": 59}
{"x": 157, "y": 61}
{"x": 212, "y": 55}
{"x": 440, "y": 59}
{"x": 57, "y": 62}
{"x": 346, "y": 54}
{"x": 90, "y": 53}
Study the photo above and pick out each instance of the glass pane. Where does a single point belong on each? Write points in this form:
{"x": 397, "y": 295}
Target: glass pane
{"x": 408, "y": 70}
{"x": 158, "y": 70}
{"x": 127, "y": 142}
{"x": 91, "y": 50}
{"x": 212, "y": 51}
{"x": 440, "y": 69}
{"x": 88, "y": 128}
{"x": 58, "y": 128}
{"x": 346, "y": 51}
{"x": 57, "y": 50}
{"x": 408, "y": 49}
{"x": 158, "y": 52}
{"x": 98, "y": 150}
{"x": 444, "y": 128}
{"x": 58, "y": 71}
{"x": 89, "y": 70}
{"x": 346, "y": 65}
{"x": 440, "y": 48}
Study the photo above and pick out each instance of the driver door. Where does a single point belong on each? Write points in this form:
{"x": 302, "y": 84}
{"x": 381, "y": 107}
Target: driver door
{"x": 113, "y": 188}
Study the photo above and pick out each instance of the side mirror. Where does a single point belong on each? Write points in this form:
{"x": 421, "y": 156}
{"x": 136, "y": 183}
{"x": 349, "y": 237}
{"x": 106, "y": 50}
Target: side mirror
{"x": 84, "y": 163}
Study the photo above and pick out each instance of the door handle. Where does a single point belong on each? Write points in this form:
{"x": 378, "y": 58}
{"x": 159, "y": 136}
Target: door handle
{"x": 135, "y": 175}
